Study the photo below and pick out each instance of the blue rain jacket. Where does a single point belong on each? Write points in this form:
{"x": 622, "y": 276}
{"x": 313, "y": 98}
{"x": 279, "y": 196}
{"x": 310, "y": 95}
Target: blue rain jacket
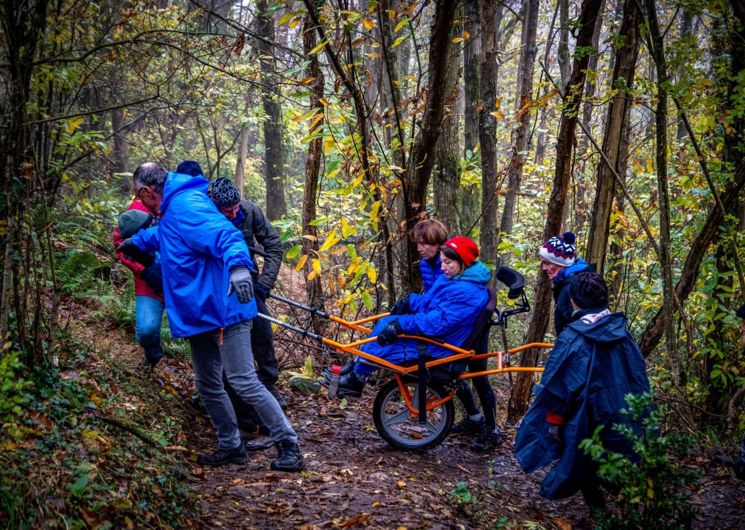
{"x": 430, "y": 271}
{"x": 445, "y": 312}
{"x": 562, "y": 302}
{"x": 587, "y": 376}
{"x": 198, "y": 247}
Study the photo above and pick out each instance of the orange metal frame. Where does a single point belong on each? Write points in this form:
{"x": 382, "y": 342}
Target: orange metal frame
{"x": 458, "y": 354}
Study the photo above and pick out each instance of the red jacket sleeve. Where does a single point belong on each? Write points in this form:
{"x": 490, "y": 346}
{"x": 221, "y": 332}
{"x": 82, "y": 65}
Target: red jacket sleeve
{"x": 135, "y": 267}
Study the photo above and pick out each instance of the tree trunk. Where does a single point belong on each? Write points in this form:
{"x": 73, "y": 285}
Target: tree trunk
{"x": 121, "y": 147}
{"x": 563, "y": 50}
{"x": 491, "y": 15}
{"x": 567, "y": 134}
{"x": 615, "y": 130}
{"x": 520, "y": 136}
{"x": 421, "y": 159}
{"x": 446, "y": 180}
{"x": 468, "y": 200}
{"x": 658, "y": 55}
{"x": 312, "y": 166}
{"x": 276, "y": 206}
{"x": 240, "y": 163}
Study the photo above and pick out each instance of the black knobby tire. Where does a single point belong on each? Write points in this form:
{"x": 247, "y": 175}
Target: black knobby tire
{"x": 400, "y": 429}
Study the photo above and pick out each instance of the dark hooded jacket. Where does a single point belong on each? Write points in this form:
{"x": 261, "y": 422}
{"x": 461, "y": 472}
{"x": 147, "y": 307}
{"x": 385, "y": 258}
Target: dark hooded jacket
{"x": 562, "y": 302}
{"x": 593, "y": 366}
{"x": 254, "y": 225}
{"x": 430, "y": 270}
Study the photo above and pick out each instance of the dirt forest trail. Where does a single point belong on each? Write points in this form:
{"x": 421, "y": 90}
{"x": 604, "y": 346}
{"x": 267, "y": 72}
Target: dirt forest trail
{"x": 353, "y": 479}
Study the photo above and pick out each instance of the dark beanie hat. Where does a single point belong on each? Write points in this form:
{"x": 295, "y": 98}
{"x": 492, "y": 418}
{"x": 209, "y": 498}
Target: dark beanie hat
{"x": 588, "y": 290}
{"x": 132, "y": 221}
{"x": 190, "y": 167}
{"x": 224, "y": 193}
{"x": 741, "y": 312}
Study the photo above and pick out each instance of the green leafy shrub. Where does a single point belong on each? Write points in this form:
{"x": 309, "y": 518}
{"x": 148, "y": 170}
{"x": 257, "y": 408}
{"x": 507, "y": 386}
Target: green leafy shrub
{"x": 12, "y": 391}
{"x": 653, "y": 491}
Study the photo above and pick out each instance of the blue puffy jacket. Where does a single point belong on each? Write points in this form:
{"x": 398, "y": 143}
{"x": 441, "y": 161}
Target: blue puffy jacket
{"x": 430, "y": 271}
{"x": 587, "y": 376}
{"x": 445, "y": 312}
{"x": 198, "y": 247}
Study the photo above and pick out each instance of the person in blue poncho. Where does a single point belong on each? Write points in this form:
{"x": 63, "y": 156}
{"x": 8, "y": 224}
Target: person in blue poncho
{"x": 446, "y": 312}
{"x": 209, "y": 295}
{"x": 593, "y": 366}
{"x": 559, "y": 261}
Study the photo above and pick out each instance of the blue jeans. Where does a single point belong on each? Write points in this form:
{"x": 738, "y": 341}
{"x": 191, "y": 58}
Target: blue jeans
{"x": 229, "y": 350}
{"x": 148, "y": 316}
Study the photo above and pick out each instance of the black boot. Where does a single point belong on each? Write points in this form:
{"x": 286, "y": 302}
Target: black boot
{"x": 489, "y": 438}
{"x": 222, "y": 457}
{"x": 288, "y": 457}
{"x": 350, "y": 386}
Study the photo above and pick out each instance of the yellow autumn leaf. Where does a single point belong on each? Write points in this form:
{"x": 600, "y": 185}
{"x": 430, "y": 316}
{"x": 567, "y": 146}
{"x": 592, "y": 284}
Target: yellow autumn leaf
{"x": 497, "y": 115}
{"x": 347, "y": 229}
{"x": 316, "y": 264}
{"x": 73, "y": 124}
{"x": 312, "y": 275}
{"x": 301, "y": 262}
{"x": 458, "y": 39}
{"x": 375, "y": 212}
{"x": 368, "y": 24}
{"x": 331, "y": 240}
{"x": 372, "y": 274}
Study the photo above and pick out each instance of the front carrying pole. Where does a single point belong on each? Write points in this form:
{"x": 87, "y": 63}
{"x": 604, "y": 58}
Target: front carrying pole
{"x": 293, "y": 303}
{"x": 304, "y": 332}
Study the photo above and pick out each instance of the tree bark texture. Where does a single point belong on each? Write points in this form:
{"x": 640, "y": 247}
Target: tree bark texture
{"x": 468, "y": 200}
{"x": 312, "y": 168}
{"x": 446, "y": 181}
{"x": 491, "y": 14}
{"x": 276, "y": 205}
{"x": 520, "y": 396}
{"x": 616, "y": 125}
{"x": 520, "y": 135}
{"x": 421, "y": 160}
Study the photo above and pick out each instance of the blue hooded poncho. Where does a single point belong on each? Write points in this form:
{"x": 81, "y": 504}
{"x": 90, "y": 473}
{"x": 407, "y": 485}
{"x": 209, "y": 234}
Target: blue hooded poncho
{"x": 587, "y": 376}
{"x": 198, "y": 247}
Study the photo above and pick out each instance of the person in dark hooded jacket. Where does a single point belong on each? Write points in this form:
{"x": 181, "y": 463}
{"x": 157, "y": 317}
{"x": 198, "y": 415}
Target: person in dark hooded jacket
{"x": 593, "y": 366}
{"x": 559, "y": 261}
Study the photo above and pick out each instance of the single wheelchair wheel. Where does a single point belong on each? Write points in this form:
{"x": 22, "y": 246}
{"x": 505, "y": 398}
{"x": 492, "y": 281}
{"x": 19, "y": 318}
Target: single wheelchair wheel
{"x": 400, "y": 427}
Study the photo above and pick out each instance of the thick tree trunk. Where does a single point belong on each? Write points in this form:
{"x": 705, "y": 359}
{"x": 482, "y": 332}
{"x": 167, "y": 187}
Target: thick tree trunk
{"x": 520, "y": 136}
{"x": 491, "y": 14}
{"x": 276, "y": 206}
{"x": 421, "y": 160}
{"x": 567, "y": 134}
{"x": 312, "y": 166}
{"x": 615, "y": 130}
{"x": 468, "y": 199}
{"x": 446, "y": 181}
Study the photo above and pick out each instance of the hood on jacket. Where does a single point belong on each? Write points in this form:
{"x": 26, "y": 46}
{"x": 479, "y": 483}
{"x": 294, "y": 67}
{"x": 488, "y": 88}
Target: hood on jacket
{"x": 476, "y": 273}
{"x": 578, "y": 266}
{"x": 611, "y": 328}
{"x": 178, "y": 182}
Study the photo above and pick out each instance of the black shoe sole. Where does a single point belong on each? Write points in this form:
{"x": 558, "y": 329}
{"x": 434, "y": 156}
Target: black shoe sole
{"x": 233, "y": 460}
{"x": 288, "y": 469}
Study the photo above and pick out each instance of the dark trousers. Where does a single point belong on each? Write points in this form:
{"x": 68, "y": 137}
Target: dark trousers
{"x": 485, "y": 392}
{"x": 262, "y": 345}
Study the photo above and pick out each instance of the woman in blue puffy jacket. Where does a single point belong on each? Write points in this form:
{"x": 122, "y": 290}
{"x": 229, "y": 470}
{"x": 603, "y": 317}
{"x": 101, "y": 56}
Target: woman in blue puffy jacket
{"x": 446, "y": 312}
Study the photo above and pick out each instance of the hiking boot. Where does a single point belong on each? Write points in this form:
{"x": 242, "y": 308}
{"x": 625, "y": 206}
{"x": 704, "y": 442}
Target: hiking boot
{"x": 349, "y": 385}
{"x": 273, "y": 390}
{"x": 288, "y": 457}
{"x": 468, "y": 426}
{"x": 251, "y": 431}
{"x": 223, "y": 457}
{"x": 487, "y": 440}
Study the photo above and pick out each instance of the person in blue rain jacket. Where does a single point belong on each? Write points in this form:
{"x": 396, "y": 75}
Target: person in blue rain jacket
{"x": 208, "y": 295}
{"x": 446, "y": 312}
{"x": 593, "y": 366}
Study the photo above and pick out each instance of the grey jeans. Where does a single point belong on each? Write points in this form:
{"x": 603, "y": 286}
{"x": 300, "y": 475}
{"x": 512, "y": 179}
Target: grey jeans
{"x": 230, "y": 350}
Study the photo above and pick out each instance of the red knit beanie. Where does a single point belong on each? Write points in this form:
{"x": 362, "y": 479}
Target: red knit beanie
{"x": 465, "y": 248}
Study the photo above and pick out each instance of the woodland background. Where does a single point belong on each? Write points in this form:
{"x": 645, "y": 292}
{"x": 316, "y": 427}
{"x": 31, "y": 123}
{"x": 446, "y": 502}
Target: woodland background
{"x": 348, "y": 121}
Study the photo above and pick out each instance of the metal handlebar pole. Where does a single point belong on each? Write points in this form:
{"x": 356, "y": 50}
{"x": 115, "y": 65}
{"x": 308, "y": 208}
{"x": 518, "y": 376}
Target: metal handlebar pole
{"x": 304, "y": 332}
{"x": 293, "y": 303}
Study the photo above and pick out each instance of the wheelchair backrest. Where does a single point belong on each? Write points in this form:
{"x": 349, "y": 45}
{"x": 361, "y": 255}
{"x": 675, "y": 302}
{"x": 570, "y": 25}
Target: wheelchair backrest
{"x": 512, "y": 279}
{"x": 480, "y": 329}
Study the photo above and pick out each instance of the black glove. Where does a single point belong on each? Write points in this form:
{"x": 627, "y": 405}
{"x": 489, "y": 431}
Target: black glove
{"x": 261, "y": 292}
{"x": 401, "y": 306}
{"x": 133, "y": 252}
{"x": 388, "y": 335}
{"x": 554, "y": 432}
{"x": 241, "y": 284}
{"x": 153, "y": 276}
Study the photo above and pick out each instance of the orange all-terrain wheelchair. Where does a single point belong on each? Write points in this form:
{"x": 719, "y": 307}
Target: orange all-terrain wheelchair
{"x": 414, "y": 408}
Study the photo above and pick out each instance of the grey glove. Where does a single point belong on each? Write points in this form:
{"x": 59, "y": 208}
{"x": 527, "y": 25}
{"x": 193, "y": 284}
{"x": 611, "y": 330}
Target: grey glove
{"x": 554, "y": 433}
{"x": 241, "y": 284}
